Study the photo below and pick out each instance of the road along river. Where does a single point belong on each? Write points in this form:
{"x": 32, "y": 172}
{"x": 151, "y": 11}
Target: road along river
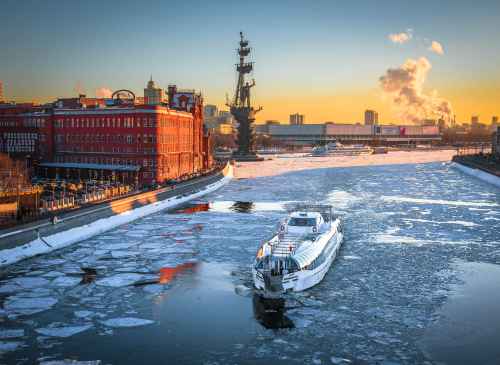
{"x": 418, "y": 269}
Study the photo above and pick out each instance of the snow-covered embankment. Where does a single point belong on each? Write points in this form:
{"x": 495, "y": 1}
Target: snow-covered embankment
{"x": 73, "y": 235}
{"x": 480, "y": 174}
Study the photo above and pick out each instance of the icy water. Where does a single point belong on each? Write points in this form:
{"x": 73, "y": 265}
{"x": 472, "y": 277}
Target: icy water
{"x": 417, "y": 280}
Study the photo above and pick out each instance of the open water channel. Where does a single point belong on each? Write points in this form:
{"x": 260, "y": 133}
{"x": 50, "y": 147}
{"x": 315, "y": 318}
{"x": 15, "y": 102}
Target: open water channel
{"x": 417, "y": 280}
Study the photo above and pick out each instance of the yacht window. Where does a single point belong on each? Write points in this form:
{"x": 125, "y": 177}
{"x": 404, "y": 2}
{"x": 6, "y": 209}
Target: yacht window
{"x": 302, "y": 222}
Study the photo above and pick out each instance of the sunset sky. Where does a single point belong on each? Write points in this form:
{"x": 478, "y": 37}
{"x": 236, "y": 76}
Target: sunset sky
{"x": 322, "y": 59}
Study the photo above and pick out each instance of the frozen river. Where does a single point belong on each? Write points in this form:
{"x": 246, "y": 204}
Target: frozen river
{"x": 417, "y": 280}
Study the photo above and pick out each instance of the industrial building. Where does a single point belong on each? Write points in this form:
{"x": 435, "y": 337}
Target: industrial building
{"x": 371, "y": 117}
{"x": 495, "y": 142}
{"x": 117, "y": 138}
{"x": 314, "y": 134}
{"x": 297, "y": 119}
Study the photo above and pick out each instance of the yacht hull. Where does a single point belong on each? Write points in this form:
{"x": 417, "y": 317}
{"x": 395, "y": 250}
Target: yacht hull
{"x": 299, "y": 280}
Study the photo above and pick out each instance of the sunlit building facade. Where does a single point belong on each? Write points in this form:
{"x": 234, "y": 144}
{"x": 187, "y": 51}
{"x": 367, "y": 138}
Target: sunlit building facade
{"x": 141, "y": 144}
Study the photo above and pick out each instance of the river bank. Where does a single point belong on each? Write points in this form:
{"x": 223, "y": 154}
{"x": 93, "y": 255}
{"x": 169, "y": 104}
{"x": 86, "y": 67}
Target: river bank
{"x": 42, "y": 237}
{"x": 280, "y": 164}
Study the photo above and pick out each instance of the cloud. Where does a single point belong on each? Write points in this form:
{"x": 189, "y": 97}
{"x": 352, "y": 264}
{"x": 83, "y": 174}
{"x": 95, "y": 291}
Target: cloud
{"x": 404, "y": 86}
{"x": 400, "y": 38}
{"x": 103, "y": 92}
{"x": 436, "y": 47}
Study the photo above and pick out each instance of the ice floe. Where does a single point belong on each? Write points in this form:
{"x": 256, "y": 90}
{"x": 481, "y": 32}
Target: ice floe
{"x": 70, "y": 362}
{"x": 62, "y": 331}
{"x": 127, "y": 322}
{"x": 11, "y": 333}
{"x": 120, "y": 280}
{"x": 66, "y": 281}
{"x": 20, "y": 305}
{"x": 9, "y": 346}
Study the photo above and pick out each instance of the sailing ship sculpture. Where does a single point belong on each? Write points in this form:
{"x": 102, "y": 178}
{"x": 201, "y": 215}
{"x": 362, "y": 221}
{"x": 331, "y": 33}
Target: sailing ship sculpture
{"x": 241, "y": 108}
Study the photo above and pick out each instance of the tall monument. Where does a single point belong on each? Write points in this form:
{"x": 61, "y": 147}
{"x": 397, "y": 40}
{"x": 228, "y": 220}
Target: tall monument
{"x": 241, "y": 107}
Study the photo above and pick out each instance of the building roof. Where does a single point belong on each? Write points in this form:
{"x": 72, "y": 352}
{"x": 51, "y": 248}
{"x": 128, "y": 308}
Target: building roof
{"x": 91, "y": 166}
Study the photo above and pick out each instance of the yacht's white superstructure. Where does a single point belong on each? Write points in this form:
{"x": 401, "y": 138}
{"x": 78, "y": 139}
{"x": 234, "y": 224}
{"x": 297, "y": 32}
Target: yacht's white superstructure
{"x": 300, "y": 254}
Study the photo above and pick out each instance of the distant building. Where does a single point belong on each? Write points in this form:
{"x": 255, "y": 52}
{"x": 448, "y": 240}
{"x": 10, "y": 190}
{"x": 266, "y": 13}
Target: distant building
{"x": 210, "y": 111}
{"x": 315, "y": 134}
{"x": 495, "y": 142}
{"x": 474, "y": 119}
{"x": 494, "y": 120}
{"x": 297, "y": 119}
{"x": 371, "y": 117}
{"x": 79, "y": 138}
{"x": 1, "y": 91}
{"x": 152, "y": 94}
{"x": 218, "y": 121}
{"x": 272, "y": 122}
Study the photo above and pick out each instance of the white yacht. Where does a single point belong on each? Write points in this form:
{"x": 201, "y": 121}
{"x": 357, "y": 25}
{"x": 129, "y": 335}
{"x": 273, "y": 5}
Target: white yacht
{"x": 300, "y": 254}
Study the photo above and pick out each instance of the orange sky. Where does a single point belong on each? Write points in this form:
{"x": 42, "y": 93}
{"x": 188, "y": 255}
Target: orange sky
{"x": 349, "y": 106}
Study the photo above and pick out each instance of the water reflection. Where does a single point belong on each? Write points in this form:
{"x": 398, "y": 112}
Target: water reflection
{"x": 242, "y": 207}
{"x": 238, "y": 206}
{"x": 271, "y": 312}
{"x": 167, "y": 274}
{"x": 191, "y": 209}
{"x": 468, "y": 326}
{"x": 89, "y": 275}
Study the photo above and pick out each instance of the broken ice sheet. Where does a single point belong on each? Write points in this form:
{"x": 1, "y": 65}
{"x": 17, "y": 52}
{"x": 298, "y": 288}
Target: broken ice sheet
{"x": 9, "y": 346}
{"x": 62, "y": 331}
{"x": 84, "y": 314}
{"x": 19, "y": 305}
{"x": 127, "y": 322}
{"x": 64, "y": 281}
{"x": 70, "y": 362}
{"x": 11, "y": 333}
{"x": 30, "y": 282}
{"x": 120, "y": 280}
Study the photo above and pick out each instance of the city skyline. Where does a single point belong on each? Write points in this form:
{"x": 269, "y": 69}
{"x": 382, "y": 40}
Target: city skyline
{"x": 345, "y": 50}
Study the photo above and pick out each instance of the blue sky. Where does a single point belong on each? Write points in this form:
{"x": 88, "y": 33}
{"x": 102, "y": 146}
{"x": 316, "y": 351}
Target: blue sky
{"x": 327, "y": 48}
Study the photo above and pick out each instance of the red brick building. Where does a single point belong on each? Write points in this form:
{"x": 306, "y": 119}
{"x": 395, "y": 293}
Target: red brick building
{"x": 118, "y": 139}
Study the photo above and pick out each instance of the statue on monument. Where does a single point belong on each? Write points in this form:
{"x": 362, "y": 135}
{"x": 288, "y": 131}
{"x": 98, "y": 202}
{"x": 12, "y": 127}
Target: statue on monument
{"x": 241, "y": 108}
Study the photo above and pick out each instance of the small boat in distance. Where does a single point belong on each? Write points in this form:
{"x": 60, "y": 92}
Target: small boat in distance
{"x": 300, "y": 254}
{"x": 337, "y": 148}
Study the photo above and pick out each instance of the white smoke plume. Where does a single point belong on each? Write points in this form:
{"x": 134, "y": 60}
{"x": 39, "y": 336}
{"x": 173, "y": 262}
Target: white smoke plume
{"x": 400, "y": 38}
{"x": 404, "y": 86}
{"x": 436, "y": 47}
{"x": 103, "y": 92}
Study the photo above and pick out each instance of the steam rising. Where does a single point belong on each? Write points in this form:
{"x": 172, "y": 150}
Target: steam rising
{"x": 404, "y": 86}
{"x": 103, "y": 92}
